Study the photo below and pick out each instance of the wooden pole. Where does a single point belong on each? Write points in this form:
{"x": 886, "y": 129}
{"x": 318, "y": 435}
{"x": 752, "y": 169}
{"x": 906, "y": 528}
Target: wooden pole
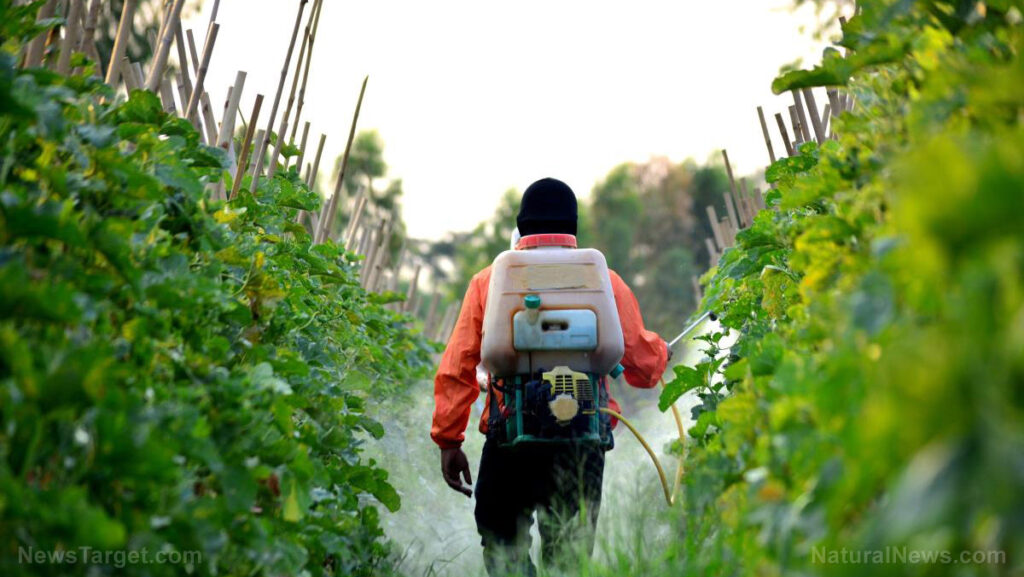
{"x": 305, "y": 74}
{"x": 34, "y": 55}
{"x": 785, "y": 135}
{"x": 410, "y": 295}
{"x": 344, "y": 161}
{"x": 71, "y": 33}
{"x": 805, "y": 131}
{"x": 314, "y": 170}
{"x": 243, "y": 157}
{"x": 184, "y": 76}
{"x": 730, "y": 197}
{"x": 712, "y": 251}
{"x": 798, "y": 129}
{"x": 128, "y": 75}
{"x": 748, "y": 203}
{"x": 302, "y": 148}
{"x": 431, "y": 317}
{"x": 357, "y": 216}
{"x": 767, "y": 137}
{"x": 812, "y": 111}
{"x": 213, "y": 12}
{"x": 120, "y": 42}
{"x": 160, "y": 59}
{"x": 88, "y": 39}
{"x": 280, "y": 88}
{"x": 167, "y": 96}
{"x": 716, "y": 230}
{"x": 227, "y": 125}
{"x": 291, "y": 94}
{"x": 199, "y": 91}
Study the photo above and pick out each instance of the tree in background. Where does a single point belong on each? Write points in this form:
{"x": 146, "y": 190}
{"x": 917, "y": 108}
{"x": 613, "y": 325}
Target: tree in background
{"x": 648, "y": 219}
{"x": 366, "y": 165}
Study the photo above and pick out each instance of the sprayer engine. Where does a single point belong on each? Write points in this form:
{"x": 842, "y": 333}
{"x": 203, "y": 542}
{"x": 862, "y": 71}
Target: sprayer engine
{"x": 559, "y": 405}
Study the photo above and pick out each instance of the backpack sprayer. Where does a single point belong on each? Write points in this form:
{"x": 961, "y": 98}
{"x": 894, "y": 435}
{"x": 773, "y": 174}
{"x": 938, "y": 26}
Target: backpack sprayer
{"x": 551, "y": 336}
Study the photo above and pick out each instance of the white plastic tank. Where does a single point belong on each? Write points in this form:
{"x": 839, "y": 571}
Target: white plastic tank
{"x": 576, "y": 324}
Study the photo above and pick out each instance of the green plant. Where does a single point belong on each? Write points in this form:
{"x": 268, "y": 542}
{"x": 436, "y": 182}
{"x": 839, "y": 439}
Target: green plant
{"x": 176, "y": 374}
{"x": 873, "y": 398}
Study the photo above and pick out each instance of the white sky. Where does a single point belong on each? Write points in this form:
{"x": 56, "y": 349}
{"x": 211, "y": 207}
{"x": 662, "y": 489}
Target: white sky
{"x": 472, "y": 97}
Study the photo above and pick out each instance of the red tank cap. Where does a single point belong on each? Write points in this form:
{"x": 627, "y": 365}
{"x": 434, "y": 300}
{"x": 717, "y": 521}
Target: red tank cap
{"x": 538, "y": 240}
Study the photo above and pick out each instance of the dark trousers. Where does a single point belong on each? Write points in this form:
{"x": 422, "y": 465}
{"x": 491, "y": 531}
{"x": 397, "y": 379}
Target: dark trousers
{"x": 562, "y": 483}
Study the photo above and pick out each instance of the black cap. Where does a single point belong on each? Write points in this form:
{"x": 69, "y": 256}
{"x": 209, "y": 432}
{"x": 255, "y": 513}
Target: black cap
{"x": 548, "y": 207}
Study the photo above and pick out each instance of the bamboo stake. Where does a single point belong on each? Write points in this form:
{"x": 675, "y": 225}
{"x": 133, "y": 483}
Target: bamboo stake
{"x": 805, "y": 131}
{"x": 167, "y": 96}
{"x": 182, "y": 95}
{"x": 160, "y": 60}
{"x": 302, "y": 148}
{"x": 748, "y": 203}
{"x": 431, "y": 317}
{"x": 767, "y": 137}
{"x": 371, "y": 256}
{"x": 798, "y": 129}
{"x": 364, "y": 240}
{"x": 450, "y": 317}
{"x": 120, "y": 43}
{"x": 257, "y": 163}
{"x": 728, "y": 170}
{"x": 87, "y": 43}
{"x": 227, "y": 126}
{"x": 246, "y": 144}
{"x": 826, "y": 117}
{"x": 410, "y": 295}
{"x": 291, "y": 94}
{"x": 34, "y": 55}
{"x": 357, "y": 216}
{"x": 728, "y": 230}
{"x": 213, "y": 12}
{"x": 128, "y": 75}
{"x": 344, "y": 160}
{"x": 785, "y": 135}
{"x": 184, "y": 77}
{"x": 280, "y": 87}
{"x": 812, "y": 111}
{"x": 139, "y": 74}
{"x": 716, "y": 230}
{"x": 315, "y": 169}
{"x": 833, "y": 99}
{"x": 199, "y": 94}
{"x": 380, "y": 252}
{"x": 305, "y": 74}
{"x": 71, "y": 33}
{"x": 712, "y": 252}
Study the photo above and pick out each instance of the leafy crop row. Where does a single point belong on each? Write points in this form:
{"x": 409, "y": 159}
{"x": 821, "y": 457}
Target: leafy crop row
{"x": 873, "y": 399}
{"x": 176, "y": 374}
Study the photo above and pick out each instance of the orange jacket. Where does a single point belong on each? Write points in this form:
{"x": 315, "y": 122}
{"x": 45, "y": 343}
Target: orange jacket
{"x": 456, "y": 387}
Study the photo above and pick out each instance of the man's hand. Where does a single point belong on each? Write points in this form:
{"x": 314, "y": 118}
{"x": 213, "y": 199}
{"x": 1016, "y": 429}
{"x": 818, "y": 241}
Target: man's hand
{"x": 454, "y": 463}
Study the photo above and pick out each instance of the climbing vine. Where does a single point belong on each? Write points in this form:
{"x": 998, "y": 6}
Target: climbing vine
{"x": 872, "y": 399}
{"x": 176, "y": 374}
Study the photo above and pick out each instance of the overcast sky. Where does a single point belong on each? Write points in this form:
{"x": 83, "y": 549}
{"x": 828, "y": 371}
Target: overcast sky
{"x": 472, "y": 98}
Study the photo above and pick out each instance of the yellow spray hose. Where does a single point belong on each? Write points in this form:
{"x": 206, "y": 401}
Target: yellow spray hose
{"x": 670, "y": 494}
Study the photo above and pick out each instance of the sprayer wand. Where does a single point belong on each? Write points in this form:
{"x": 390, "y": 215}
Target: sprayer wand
{"x": 690, "y": 328}
{"x": 670, "y": 494}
